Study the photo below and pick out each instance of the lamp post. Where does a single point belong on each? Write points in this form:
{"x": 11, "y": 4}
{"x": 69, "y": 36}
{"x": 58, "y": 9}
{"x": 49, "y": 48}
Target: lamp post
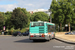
{"x": 50, "y": 17}
{"x": 66, "y": 26}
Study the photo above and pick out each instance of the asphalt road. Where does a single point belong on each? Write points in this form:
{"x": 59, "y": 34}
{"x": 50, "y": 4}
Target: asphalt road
{"x": 23, "y": 43}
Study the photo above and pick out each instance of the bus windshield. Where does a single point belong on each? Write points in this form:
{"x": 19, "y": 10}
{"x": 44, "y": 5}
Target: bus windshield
{"x": 33, "y": 24}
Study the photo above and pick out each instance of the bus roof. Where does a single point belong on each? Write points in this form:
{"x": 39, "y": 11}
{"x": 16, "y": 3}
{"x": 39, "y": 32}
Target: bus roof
{"x": 49, "y": 23}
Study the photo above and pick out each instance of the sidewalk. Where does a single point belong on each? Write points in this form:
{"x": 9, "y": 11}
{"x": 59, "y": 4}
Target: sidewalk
{"x": 66, "y": 38}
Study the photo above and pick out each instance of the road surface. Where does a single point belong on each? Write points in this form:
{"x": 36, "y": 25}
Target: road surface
{"x": 23, "y": 43}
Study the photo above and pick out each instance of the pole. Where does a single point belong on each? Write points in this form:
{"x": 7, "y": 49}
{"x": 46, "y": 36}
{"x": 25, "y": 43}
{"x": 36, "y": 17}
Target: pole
{"x": 66, "y": 29}
{"x": 50, "y": 15}
{"x": 69, "y": 27}
{"x": 51, "y": 18}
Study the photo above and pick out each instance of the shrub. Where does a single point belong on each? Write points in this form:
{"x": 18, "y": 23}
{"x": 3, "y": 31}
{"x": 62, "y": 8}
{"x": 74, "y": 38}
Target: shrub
{"x": 23, "y": 30}
{"x": 0, "y": 33}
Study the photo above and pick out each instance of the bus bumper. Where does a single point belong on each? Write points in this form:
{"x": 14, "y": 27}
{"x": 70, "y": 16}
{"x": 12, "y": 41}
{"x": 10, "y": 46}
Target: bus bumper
{"x": 39, "y": 38}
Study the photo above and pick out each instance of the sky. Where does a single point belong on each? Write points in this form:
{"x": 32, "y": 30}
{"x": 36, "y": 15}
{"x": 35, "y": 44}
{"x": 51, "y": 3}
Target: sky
{"x": 9, "y": 5}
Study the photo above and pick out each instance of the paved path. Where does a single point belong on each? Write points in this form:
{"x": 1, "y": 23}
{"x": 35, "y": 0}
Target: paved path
{"x": 62, "y": 35}
{"x": 23, "y": 43}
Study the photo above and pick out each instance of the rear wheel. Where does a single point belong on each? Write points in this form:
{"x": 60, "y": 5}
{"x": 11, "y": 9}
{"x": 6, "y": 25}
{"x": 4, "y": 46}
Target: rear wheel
{"x": 34, "y": 40}
{"x": 53, "y": 37}
{"x": 49, "y": 38}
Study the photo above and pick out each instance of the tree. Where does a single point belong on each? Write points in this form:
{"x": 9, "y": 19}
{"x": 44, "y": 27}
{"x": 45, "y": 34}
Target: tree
{"x": 1, "y": 21}
{"x": 73, "y": 14}
{"x": 57, "y": 12}
{"x": 27, "y": 14}
{"x": 69, "y": 12}
{"x": 19, "y": 18}
{"x": 63, "y": 10}
{"x": 8, "y": 23}
{"x": 39, "y": 16}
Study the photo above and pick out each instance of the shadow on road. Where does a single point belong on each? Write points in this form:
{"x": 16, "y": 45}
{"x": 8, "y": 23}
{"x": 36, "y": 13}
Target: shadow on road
{"x": 65, "y": 41}
{"x": 29, "y": 41}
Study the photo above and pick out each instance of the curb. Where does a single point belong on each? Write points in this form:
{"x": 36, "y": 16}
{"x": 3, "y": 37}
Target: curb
{"x": 63, "y": 40}
{"x": 5, "y": 35}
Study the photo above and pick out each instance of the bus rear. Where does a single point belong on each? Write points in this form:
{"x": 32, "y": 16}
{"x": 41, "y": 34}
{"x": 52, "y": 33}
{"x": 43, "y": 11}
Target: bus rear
{"x": 37, "y": 31}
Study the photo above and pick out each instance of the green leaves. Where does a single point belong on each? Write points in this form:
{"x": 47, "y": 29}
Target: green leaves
{"x": 1, "y": 21}
{"x": 63, "y": 10}
{"x": 39, "y": 16}
{"x": 19, "y": 18}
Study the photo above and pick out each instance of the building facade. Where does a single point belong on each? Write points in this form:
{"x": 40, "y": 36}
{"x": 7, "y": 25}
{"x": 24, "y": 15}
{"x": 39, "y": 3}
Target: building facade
{"x": 40, "y": 10}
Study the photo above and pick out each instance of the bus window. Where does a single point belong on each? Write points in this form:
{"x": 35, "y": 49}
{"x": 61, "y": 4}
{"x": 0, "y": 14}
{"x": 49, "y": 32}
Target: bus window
{"x": 51, "y": 28}
{"x": 37, "y": 24}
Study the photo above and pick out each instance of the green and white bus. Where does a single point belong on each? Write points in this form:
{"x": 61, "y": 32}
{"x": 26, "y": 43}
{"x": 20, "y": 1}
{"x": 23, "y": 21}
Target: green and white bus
{"x": 41, "y": 30}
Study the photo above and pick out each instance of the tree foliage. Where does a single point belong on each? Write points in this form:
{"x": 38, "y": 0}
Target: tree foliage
{"x": 73, "y": 17}
{"x": 62, "y": 11}
{"x": 8, "y": 23}
{"x": 39, "y": 16}
{"x": 1, "y": 21}
{"x": 19, "y": 18}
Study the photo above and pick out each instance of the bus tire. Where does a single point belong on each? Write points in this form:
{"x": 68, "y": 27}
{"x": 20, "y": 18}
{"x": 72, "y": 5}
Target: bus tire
{"x": 49, "y": 38}
{"x": 34, "y": 40}
{"x": 53, "y": 37}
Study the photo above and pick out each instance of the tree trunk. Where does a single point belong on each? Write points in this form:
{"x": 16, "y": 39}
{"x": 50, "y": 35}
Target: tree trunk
{"x": 60, "y": 26}
{"x": 69, "y": 26}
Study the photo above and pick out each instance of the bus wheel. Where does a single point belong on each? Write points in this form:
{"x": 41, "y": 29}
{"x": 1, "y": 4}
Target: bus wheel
{"x": 34, "y": 40}
{"x": 49, "y": 38}
{"x": 53, "y": 37}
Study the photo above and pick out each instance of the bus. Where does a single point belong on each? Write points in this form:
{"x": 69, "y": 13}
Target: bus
{"x": 40, "y": 30}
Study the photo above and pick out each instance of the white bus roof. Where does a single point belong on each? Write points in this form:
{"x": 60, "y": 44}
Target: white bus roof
{"x": 43, "y": 21}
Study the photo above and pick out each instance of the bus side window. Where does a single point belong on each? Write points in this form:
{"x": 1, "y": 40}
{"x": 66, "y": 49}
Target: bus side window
{"x": 51, "y": 28}
{"x": 48, "y": 28}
